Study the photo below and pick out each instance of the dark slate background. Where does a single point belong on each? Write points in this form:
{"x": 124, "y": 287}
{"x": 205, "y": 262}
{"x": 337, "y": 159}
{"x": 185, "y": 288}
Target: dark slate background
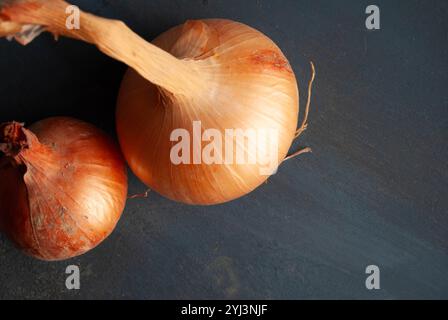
{"x": 375, "y": 190}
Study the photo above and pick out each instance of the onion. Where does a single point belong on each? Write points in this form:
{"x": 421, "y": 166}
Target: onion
{"x": 63, "y": 187}
{"x": 221, "y": 74}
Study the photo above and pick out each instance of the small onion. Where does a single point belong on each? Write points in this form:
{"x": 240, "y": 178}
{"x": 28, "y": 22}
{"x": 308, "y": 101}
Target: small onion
{"x": 220, "y": 73}
{"x": 63, "y": 187}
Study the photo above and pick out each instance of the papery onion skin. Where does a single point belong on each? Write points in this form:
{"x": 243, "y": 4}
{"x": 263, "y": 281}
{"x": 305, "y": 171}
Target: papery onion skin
{"x": 250, "y": 85}
{"x": 63, "y": 193}
{"x": 222, "y": 73}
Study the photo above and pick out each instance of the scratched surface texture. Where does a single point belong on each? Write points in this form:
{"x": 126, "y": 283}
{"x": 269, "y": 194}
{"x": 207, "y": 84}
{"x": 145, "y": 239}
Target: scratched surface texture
{"x": 375, "y": 190}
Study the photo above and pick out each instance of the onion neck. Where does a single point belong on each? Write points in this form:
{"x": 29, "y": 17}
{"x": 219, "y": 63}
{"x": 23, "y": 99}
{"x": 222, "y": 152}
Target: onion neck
{"x": 112, "y": 37}
{"x": 16, "y": 142}
{"x": 12, "y": 139}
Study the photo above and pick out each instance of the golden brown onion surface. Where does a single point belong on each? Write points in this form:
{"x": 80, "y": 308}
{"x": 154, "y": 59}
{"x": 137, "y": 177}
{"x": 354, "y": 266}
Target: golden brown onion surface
{"x": 63, "y": 187}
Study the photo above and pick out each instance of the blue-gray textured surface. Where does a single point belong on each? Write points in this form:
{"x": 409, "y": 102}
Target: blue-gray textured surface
{"x": 375, "y": 190}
